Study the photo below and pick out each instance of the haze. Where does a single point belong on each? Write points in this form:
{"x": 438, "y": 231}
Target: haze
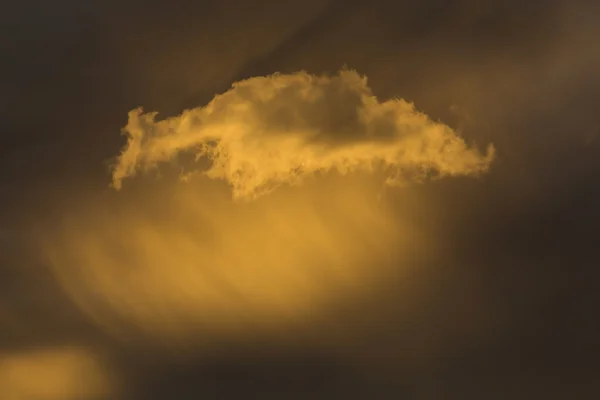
{"x": 320, "y": 199}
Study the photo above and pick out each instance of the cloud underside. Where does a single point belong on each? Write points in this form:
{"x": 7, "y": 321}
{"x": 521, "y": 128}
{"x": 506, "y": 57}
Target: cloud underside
{"x": 279, "y": 129}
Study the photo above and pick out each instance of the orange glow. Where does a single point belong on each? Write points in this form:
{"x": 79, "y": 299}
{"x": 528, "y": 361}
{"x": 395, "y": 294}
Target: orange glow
{"x": 190, "y": 260}
{"x": 52, "y": 374}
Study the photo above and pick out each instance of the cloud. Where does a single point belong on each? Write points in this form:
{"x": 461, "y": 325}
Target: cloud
{"x": 185, "y": 263}
{"x": 52, "y": 374}
{"x": 188, "y": 265}
{"x": 279, "y": 129}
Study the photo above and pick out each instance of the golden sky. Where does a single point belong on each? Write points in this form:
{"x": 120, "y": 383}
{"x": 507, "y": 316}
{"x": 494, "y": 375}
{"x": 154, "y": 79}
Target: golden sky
{"x": 355, "y": 199}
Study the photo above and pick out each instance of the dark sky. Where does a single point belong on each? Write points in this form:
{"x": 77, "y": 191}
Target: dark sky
{"x": 508, "y": 311}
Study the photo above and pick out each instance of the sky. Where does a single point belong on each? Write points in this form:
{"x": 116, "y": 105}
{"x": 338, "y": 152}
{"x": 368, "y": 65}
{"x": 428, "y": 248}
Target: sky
{"x": 280, "y": 199}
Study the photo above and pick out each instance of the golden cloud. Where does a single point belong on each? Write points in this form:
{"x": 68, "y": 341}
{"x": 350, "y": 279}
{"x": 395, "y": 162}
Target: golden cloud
{"x": 279, "y": 129}
{"x": 186, "y": 262}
